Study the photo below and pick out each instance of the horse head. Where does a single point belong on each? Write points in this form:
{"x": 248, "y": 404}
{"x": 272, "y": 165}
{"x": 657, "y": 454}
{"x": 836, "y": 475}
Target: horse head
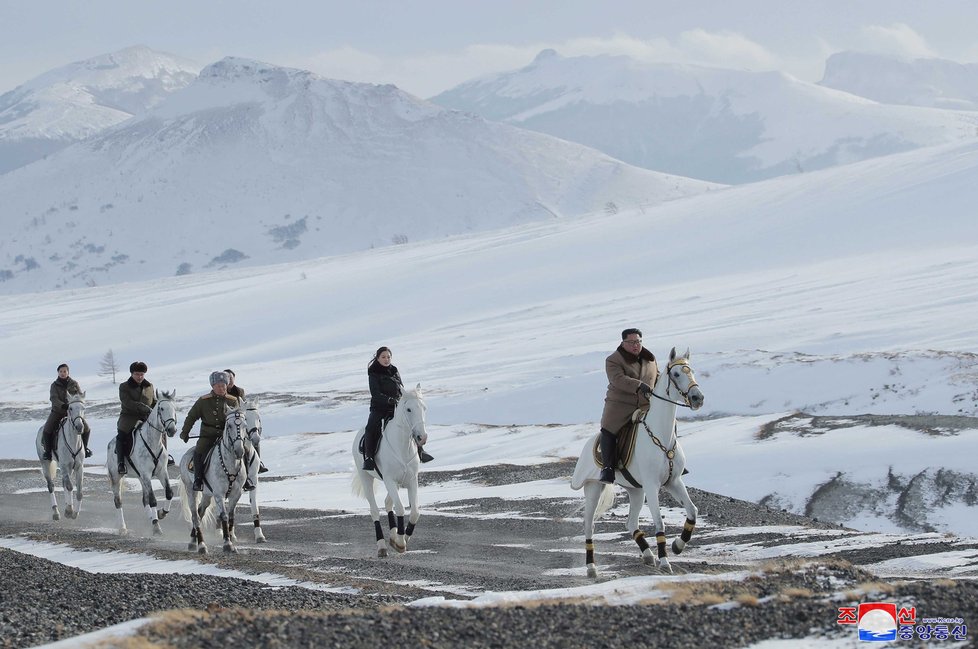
{"x": 252, "y": 420}
{"x": 76, "y": 410}
{"x": 412, "y": 409}
{"x": 166, "y": 412}
{"x": 234, "y": 423}
{"x": 681, "y": 378}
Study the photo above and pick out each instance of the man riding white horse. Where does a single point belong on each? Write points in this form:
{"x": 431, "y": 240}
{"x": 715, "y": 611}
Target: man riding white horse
{"x": 210, "y": 410}
{"x": 632, "y": 372}
{"x": 137, "y": 396}
{"x": 60, "y": 389}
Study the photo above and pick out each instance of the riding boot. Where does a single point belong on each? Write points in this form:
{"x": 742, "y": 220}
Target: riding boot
{"x": 425, "y": 457}
{"x": 86, "y": 434}
{"x": 122, "y": 450}
{"x": 47, "y": 439}
{"x": 609, "y": 456}
{"x": 198, "y": 471}
{"x": 370, "y": 436}
{"x": 261, "y": 465}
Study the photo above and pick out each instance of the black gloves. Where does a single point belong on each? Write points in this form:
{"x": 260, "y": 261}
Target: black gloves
{"x": 144, "y": 409}
{"x": 645, "y": 390}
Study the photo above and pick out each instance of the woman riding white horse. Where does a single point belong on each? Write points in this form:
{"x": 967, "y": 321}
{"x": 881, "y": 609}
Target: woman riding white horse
{"x": 68, "y": 457}
{"x": 148, "y": 460}
{"x": 396, "y": 465}
{"x": 657, "y": 461}
{"x": 223, "y": 477}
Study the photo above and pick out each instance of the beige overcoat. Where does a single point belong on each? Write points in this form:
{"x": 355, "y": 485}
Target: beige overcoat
{"x": 626, "y": 372}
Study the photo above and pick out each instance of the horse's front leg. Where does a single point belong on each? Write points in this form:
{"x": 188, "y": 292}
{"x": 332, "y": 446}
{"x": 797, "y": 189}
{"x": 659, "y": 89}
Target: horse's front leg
{"x": 196, "y": 536}
{"x": 636, "y": 498}
{"x": 592, "y": 494}
{"x": 652, "y": 498}
{"x": 49, "y": 470}
{"x": 678, "y": 491}
{"x": 412, "y": 490}
{"x": 115, "y": 481}
{"x": 79, "y": 478}
{"x": 255, "y": 513}
{"x": 397, "y": 539}
{"x": 66, "y": 471}
{"x": 222, "y": 509}
{"x": 164, "y": 479}
{"x": 149, "y": 502}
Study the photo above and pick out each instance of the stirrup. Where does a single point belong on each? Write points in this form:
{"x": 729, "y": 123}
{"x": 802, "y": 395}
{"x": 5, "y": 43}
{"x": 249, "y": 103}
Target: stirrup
{"x": 88, "y": 452}
{"x": 248, "y": 485}
{"x": 607, "y": 475}
{"x": 169, "y": 460}
{"x": 47, "y": 457}
{"x": 198, "y": 485}
{"x": 425, "y": 457}
{"x": 369, "y": 464}
{"x": 122, "y": 468}
{"x": 262, "y": 468}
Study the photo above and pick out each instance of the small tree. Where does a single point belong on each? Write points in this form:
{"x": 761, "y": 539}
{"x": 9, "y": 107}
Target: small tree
{"x": 108, "y": 366}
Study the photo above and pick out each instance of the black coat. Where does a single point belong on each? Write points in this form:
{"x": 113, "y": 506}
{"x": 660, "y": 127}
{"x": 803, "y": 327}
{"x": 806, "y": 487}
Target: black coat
{"x": 385, "y": 388}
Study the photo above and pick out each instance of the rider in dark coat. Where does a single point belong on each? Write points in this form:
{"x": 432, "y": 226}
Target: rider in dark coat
{"x": 236, "y": 390}
{"x": 138, "y": 396}
{"x": 60, "y": 389}
{"x": 385, "y": 391}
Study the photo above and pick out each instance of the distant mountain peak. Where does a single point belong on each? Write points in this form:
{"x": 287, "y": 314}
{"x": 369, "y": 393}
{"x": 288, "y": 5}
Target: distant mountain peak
{"x": 546, "y": 54}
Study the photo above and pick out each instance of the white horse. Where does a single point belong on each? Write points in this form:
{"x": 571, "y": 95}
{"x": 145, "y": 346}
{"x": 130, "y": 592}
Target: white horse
{"x": 224, "y": 478}
{"x": 397, "y": 466}
{"x": 68, "y": 452}
{"x": 147, "y": 460}
{"x": 252, "y": 463}
{"x": 658, "y": 461}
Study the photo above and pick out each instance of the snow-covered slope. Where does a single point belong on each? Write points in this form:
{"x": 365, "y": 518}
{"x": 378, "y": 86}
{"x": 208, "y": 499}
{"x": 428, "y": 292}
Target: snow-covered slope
{"x": 256, "y": 164}
{"x": 914, "y": 82}
{"x": 722, "y": 125}
{"x": 78, "y": 100}
{"x": 846, "y": 291}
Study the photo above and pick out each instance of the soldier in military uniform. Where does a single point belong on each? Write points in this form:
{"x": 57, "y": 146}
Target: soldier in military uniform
{"x": 60, "y": 389}
{"x": 209, "y": 409}
{"x": 138, "y": 396}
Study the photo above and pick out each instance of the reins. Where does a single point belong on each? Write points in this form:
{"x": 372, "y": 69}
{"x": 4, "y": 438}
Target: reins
{"x": 671, "y": 452}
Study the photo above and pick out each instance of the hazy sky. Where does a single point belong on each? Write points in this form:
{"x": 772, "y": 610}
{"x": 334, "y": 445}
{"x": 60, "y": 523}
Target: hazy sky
{"x": 426, "y": 46}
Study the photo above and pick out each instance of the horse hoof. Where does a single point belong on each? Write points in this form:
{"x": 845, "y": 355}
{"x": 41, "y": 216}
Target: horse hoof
{"x": 260, "y": 538}
{"x": 56, "y": 516}
{"x": 648, "y": 558}
{"x": 677, "y": 547}
{"x": 664, "y": 565}
{"x": 192, "y": 546}
{"x": 157, "y": 530}
{"x": 592, "y": 570}
{"x": 230, "y": 549}
{"x": 400, "y": 549}
{"x": 202, "y": 549}
{"x": 123, "y": 531}
{"x": 161, "y": 513}
{"x": 382, "y": 553}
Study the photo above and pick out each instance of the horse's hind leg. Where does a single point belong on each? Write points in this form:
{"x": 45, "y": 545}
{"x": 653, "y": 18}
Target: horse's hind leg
{"x": 222, "y": 508}
{"x": 367, "y": 483}
{"x": 196, "y": 538}
{"x": 167, "y": 493}
{"x": 149, "y": 504}
{"x": 116, "y": 482}
{"x": 678, "y": 491}
{"x": 415, "y": 509}
{"x": 592, "y": 492}
{"x": 636, "y": 498}
{"x": 48, "y": 471}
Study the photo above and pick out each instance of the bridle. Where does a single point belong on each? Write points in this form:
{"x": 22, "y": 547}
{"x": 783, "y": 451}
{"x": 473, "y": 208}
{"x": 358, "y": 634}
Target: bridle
{"x": 237, "y": 438}
{"x": 163, "y": 423}
{"x": 688, "y": 371}
{"x": 80, "y": 418}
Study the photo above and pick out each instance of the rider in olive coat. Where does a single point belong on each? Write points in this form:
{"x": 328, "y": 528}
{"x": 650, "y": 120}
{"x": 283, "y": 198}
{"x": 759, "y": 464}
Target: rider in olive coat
{"x": 138, "y": 396}
{"x": 210, "y": 411}
{"x": 632, "y": 371}
{"x": 60, "y": 389}
{"x": 236, "y": 390}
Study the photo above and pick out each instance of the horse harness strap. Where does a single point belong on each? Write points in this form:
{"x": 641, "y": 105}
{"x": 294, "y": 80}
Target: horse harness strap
{"x": 670, "y": 452}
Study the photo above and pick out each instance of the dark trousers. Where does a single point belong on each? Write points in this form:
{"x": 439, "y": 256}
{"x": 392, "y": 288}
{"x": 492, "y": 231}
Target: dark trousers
{"x": 371, "y": 433}
{"x": 51, "y": 429}
{"x": 123, "y": 445}
{"x": 201, "y": 449}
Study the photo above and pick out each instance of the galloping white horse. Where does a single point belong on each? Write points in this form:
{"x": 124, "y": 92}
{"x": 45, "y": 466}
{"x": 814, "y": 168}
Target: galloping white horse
{"x": 223, "y": 479}
{"x": 397, "y": 466}
{"x": 147, "y": 460}
{"x": 69, "y": 453}
{"x": 658, "y": 461}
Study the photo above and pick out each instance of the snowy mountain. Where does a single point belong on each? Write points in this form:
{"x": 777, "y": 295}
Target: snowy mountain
{"x": 842, "y": 293}
{"x": 727, "y": 126}
{"x": 256, "y": 164}
{"x": 937, "y": 83}
{"x": 73, "y": 102}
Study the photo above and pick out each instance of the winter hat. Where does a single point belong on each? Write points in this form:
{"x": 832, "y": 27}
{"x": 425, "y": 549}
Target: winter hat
{"x": 138, "y": 366}
{"x": 231, "y": 372}
{"x": 218, "y": 377}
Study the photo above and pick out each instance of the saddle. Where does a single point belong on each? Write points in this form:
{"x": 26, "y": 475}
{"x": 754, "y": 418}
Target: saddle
{"x": 624, "y": 440}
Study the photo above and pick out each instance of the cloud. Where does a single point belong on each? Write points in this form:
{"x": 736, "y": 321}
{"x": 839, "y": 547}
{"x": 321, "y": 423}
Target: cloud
{"x": 428, "y": 73}
{"x": 898, "y": 39}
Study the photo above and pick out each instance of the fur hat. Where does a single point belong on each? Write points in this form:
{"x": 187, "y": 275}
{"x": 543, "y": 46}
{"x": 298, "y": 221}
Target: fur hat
{"x": 218, "y": 377}
{"x": 138, "y": 366}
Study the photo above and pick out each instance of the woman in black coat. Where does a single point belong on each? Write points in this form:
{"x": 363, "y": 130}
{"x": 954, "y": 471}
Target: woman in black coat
{"x": 385, "y": 391}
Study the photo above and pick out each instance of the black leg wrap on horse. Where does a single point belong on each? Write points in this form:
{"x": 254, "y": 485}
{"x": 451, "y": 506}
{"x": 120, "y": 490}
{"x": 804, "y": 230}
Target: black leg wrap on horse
{"x": 660, "y": 543}
{"x": 400, "y": 525}
{"x": 391, "y": 522}
{"x": 409, "y": 530}
{"x": 588, "y": 551}
{"x": 687, "y": 532}
{"x": 639, "y": 537}
{"x": 379, "y": 531}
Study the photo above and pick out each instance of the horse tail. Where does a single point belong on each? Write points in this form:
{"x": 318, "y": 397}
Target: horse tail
{"x": 356, "y": 485}
{"x": 605, "y": 500}
{"x": 185, "y": 496}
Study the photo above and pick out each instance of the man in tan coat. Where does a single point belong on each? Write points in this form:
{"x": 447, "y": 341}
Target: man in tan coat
{"x": 632, "y": 372}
